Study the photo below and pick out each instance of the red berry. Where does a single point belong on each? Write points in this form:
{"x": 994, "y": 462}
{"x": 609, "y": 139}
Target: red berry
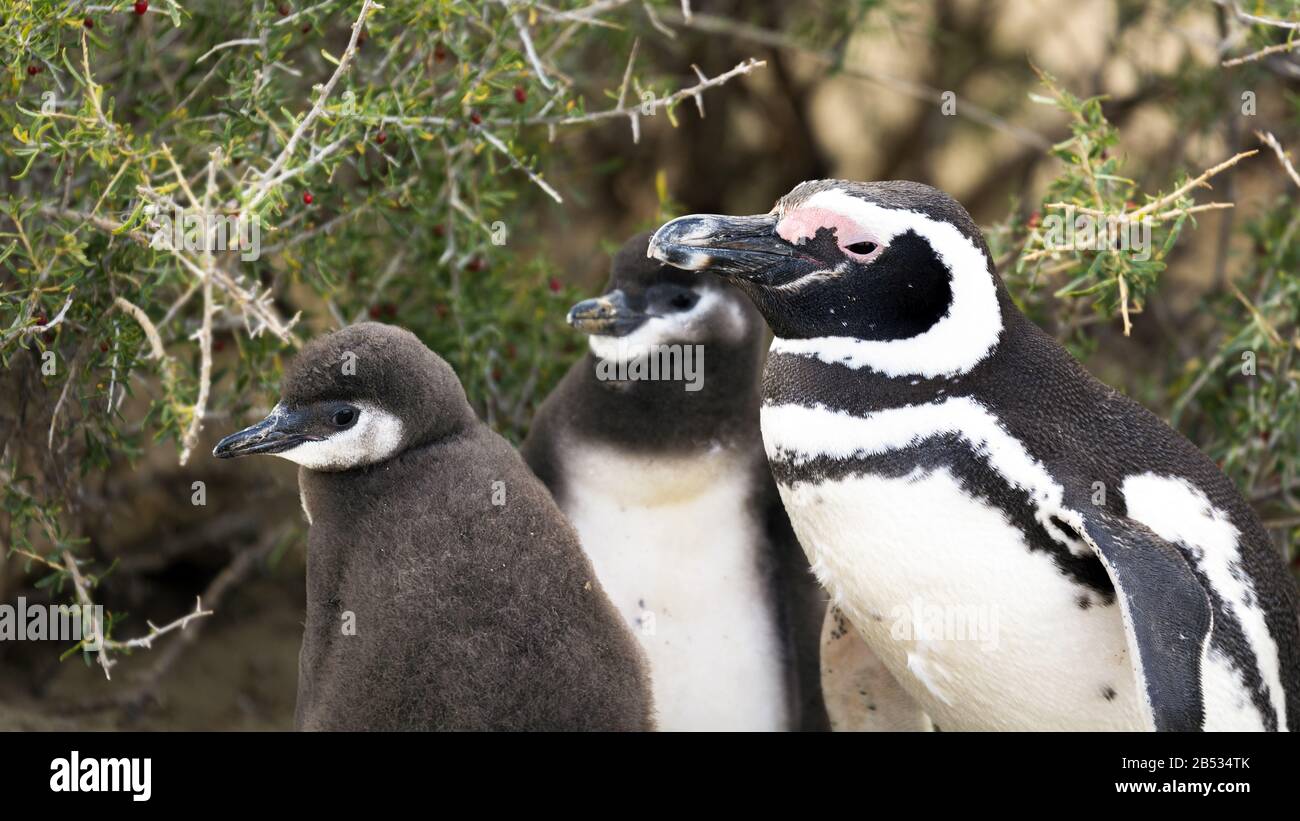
{"x": 441, "y": 310}
{"x": 88, "y": 23}
{"x": 306, "y": 27}
{"x": 284, "y": 9}
{"x": 32, "y": 71}
{"x": 475, "y": 265}
{"x": 520, "y": 94}
{"x": 103, "y": 347}
{"x": 554, "y": 285}
{"x": 141, "y": 6}
{"x": 476, "y": 118}
{"x": 40, "y": 318}
{"x": 440, "y": 230}
{"x": 439, "y": 53}
{"x": 381, "y": 138}
{"x": 374, "y": 312}
{"x": 390, "y": 310}
{"x": 308, "y": 199}
{"x": 218, "y": 345}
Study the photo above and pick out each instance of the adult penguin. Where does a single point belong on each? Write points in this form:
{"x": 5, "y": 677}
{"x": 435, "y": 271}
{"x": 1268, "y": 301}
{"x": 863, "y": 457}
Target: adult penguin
{"x": 1022, "y": 546}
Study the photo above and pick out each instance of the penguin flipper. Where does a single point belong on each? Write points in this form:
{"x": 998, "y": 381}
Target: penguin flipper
{"x": 1166, "y": 612}
{"x": 860, "y": 694}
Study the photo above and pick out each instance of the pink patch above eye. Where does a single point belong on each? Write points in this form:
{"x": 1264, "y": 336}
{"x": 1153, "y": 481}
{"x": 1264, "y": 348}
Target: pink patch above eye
{"x": 802, "y": 224}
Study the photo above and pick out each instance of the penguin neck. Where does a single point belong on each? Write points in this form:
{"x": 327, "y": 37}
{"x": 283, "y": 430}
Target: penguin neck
{"x": 661, "y": 415}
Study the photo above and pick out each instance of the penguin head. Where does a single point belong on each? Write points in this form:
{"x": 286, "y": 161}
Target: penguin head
{"x": 649, "y": 303}
{"x": 357, "y": 397}
{"x": 898, "y": 266}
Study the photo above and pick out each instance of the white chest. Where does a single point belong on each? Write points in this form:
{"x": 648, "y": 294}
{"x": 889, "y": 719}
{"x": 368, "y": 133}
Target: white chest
{"x": 678, "y": 550}
{"x": 981, "y": 631}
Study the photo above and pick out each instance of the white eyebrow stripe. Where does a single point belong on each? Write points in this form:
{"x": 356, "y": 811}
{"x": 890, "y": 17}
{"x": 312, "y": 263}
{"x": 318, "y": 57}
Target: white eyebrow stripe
{"x": 959, "y": 341}
{"x": 375, "y": 437}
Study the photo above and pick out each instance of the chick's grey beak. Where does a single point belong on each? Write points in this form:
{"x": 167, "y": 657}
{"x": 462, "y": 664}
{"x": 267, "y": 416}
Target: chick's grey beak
{"x": 276, "y": 433}
{"x": 608, "y": 315}
{"x": 745, "y": 247}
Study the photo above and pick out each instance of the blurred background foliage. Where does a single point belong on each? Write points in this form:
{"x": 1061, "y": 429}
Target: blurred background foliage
{"x": 465, "y": 168}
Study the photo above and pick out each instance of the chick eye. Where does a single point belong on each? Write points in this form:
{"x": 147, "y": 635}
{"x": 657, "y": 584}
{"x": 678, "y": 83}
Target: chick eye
{"x": 862, "y": 248}
{"x": 682, "y": 301}
{"x": 344, "y": 417}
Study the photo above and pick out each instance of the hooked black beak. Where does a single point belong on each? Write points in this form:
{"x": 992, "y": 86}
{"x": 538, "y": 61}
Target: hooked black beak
{"x": 608, "y": 315}
{"x": 747, "y": 248}
{"x": 276, "y": 433}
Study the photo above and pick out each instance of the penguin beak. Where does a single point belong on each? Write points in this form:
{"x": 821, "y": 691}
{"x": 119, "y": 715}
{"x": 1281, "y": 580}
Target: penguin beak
{"x": 279, "y": 432}
{"x": 746, "y": 248}
{"x": 608, "y": 315}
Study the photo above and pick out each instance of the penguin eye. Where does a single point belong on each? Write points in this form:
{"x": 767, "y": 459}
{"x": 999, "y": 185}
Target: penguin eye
{"x": 683, "y": 300}
{"x": 862, "y": 248}
{"x": 344, "y": 417}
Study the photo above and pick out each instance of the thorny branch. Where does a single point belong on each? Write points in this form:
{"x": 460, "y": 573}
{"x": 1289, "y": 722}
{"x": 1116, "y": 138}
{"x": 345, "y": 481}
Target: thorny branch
{"x": 649, "y": 107}
{"x": 98, "y": 638}
{"x": 271, "y": 177}
{"x": 213, "y": 277}
{"x": 229, "y": 578}
{"x": 1278, "y": 48}
{"x": 1269, "y": 140}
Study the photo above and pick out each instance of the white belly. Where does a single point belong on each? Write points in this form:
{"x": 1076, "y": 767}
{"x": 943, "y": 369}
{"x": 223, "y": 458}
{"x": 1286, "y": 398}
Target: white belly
{"x": 982, "y": 632}
{"x": 678, "y": 550}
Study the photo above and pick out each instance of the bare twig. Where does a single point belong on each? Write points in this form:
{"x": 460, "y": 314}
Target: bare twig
{"x": 283, "y": 21}
{"x": 191, "y": 437}
{"x": 651, "y": 106}
{"x": 40, "y": 329}
{"x": 1128, "y": 217}
{"x": 96, "y": 623}
{"x": 146, "y": 641}
{"x": 1261, "y": 54}
{"x": 150, "y": 331}
{"x": 623, "y": 87}
{"x": 1269, "y": 140}
{"x": 496, "y": 143}
{"x": 530, "y": 50}
{"x": 587, "y": 14}
{"x": 272, "y": 175}
{"x": 246, "y": 41}
{"x": 216, "y": 591}
{"x": 258, "y": 306}
{"x": 1252, "y": 18}
{"x": 1123, "y": 303}
{"x": 63, "y": 394}
{"x": 1169, "y": 199}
